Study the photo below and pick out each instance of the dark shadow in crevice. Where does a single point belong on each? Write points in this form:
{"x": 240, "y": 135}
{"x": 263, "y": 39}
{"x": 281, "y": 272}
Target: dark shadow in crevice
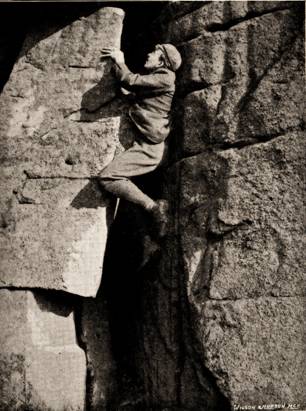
{"x": 137, "y": 36}
{"x": 123, "y": 287}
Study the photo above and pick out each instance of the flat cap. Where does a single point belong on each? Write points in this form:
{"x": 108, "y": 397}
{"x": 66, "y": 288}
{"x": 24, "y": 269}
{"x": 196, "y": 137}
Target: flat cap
{"x": 173, "y": 58}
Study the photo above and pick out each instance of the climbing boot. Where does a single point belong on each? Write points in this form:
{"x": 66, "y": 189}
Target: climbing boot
{"x": 160, "y": 214}
{"x": 150, "y": 250}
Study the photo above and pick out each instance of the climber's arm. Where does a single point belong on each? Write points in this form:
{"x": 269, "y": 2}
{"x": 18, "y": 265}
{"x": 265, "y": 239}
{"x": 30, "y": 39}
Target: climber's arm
{"x": 132, "y": 81}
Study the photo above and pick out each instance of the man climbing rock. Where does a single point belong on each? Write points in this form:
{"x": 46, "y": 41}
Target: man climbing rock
{"x": 150, "y": 114}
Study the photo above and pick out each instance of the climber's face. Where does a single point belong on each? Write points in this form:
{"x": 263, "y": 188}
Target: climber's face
{"x": 154, "y": 60}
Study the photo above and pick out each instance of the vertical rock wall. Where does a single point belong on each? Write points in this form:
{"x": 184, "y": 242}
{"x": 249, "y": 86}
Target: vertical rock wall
{"x": 54, "y": 219}
{"x": 239, "y": 194}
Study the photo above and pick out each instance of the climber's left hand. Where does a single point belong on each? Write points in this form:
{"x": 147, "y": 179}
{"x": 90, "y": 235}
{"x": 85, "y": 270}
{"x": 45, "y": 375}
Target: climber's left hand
{"x": 115, "y": 54}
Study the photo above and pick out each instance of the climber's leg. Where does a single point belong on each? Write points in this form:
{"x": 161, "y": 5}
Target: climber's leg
{"x": 142, "y": 158}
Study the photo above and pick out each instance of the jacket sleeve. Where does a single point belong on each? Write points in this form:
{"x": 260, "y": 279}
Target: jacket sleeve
{"x": 132, "y": 81}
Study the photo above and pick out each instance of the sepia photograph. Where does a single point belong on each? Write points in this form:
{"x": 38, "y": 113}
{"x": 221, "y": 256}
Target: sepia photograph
{"x": 152, "y": 176}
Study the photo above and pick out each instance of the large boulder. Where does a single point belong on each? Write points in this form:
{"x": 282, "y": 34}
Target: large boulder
{"x": 54, "y": 138}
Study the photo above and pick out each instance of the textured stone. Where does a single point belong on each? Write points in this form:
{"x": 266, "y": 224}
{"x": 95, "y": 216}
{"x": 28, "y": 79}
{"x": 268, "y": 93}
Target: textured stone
{"x": 235, "y": 12}
{"x": 214, "y": 16}
{"x": 261, "y": 94}
{"x": 193, "y": 24}
{"x": 252, "y": 60}
{"x": 263, "y": 206}
{"x": 72, "y": 150}
{"x": 175, "y": 10}
{"x": 239, "y": 211}
{"x": 201, "y": 186}
{"x": 276, "y": 104}
{"x": 267, "y": 6}
{"x": 266, "y": 46}
{"x": 241, "y": 237}
{"x": 200, "y": 108}
{"x": 242, "y": 222}
{"x": 203, "y": 61}
{"x": 41, "y": 365}
{"x": 236, "y": 235}
{"x": 255, "y": 349}
{"x": 58, "y": 74}
{"x": 59, "y": 128}
{"x": 55, "y": 236}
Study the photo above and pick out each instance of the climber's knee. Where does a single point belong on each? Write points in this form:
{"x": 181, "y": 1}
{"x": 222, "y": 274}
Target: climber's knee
{"x": 103, "y": 182}
{"x": 110, "y": 184}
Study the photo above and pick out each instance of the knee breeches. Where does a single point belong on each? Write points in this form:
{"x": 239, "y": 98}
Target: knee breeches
{"x": 142, "y": 158}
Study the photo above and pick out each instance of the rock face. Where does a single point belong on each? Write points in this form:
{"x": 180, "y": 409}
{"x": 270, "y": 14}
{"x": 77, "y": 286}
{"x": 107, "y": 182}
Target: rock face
{"x": 254, "y": 348}
{"x": 241, "y": 238}
{"x": 37, "y": 255}
{"x": 238, "y": 199}
{"x": 42, "y": 366}
{"x": 248, "y": 219}
{"x": 212, "y": 318}
{"x": 50, "y": 220}
{"x": 55, "y": 137}
{"x": 257, "y": 70}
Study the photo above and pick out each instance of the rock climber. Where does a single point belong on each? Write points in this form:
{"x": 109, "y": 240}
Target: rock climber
{"x": 151, "y": 115}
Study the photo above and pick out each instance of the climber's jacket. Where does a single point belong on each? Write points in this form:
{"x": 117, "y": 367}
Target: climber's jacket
{"x": 154, "y": 93}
